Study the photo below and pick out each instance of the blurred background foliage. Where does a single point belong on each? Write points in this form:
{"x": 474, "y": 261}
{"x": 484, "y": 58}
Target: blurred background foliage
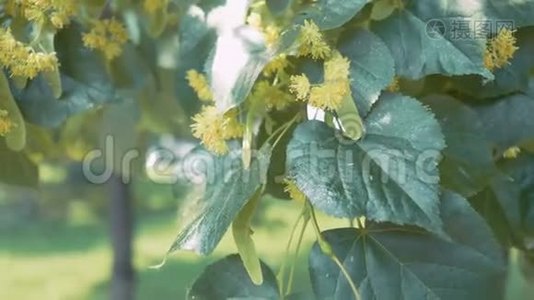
{"x": 54, "y": 243}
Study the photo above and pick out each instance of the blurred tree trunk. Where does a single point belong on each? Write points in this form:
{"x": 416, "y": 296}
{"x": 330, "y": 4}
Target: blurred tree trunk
{"x": 121, "y": 229}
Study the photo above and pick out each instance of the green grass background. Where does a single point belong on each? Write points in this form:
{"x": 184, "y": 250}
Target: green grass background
{"x": 72, "y": 261}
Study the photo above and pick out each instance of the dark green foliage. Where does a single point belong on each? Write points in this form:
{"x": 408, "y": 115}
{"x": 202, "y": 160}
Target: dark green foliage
{"x": 228, "y": 279}
{"x": 393, "y": 262}
{"x": 225, "y": 188}
{"x": 382, "y": 175}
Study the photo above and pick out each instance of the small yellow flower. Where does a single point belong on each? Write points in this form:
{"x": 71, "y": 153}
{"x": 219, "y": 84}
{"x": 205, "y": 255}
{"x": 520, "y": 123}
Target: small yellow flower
{"x": 152, "y": 6}
{"x": 300, "y": 86}
{"x": 489, "y": 62}
{"x": 58, "y": 12}
{"x": 336, "y": 86}
{"x": 272, "y": 96}
{"x": 327, "y": 96}
{"x": 36, "y": 62}
{"x": 317, "y": 51}
{"x": 336, "y": 68}
{"x": 214, "y": 128}
{"x": 277, "y": 65}
{"x": 500, "y": 49}
{"x": 330, "y": 94}
{"x": 232, "y": 128}
{"x": 312, "y": 41}
{"x": 293, "y": 191}
{"x": 394, "y": 86}
{"x": 200, "y": 84}
{"x": 208, "y": 127}
{"x": 511, "y": 152}
{"x": 272, "y": 35}
{"x": 63, "y": 10}
{"x": 107, "y": 36}
{"x": 22, "y": 60}
{"x": 310, "y": 32}
{"x": 6, "y": 125}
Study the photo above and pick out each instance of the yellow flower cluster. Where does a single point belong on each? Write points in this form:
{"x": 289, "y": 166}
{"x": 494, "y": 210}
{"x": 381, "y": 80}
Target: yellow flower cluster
{"x": 271, "y": 34}
{"x": 107, "y": 36}
{"x": 152, "y": 6}
{"x": 500, "y": 49}
{"x": 200, "y": 85}
{"x": 512, "y": 152}
{"x": 6, "y": 125}
{"x": 300, "y": 86}
{"x": 22, "y": 60}
{"x": 293, "y": 191}
{"x": 58, "y": 12}
{"x": 271, "y": 95}
{"x": 214, "y": 128}
{"x": 330, "y": 94}
{"x": 276, "y": 66}
{"x": 312, "y": 42}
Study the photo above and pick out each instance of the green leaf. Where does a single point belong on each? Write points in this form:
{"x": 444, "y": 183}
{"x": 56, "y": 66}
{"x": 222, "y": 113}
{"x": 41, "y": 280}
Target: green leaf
{"x": 85, "y": 80}
{"x": 225, "y": 189}
{"x": 245, "y": 244}
{"x": 508, "y": 122}
{"x": 255, "y": 114}
{"x": 511, "y": 78}
{"x": 498, "y": 204}
{"x": 498, "y": 12}
{"x": 515, "y": 196}
{"x": 193, "y": 29}
{"x": 313, "y": 69}
{"x": 467, "y": 166}
{"x": 196, "y": 42}
{"x": 17, "y": 168}
{"x": 130, "y": 72}
{"x": 520, "y": 12}
{"x": 418, "y": 53}
{"x": 52, "y": 77}
{"x": 156, "y": 22}
{"x": 228, "y": 279}
{"x": 382, "y": 9}
{"x": 278, "y": 6}
{"x": 372, "y": 67}
{"x": 389, "y": 175}
{"x": 393, "y": 262}
{"x": 85, "y": 66}
{"x": 521, "y": 172}
{"x": 277, "y": 168}
{"x": 330, "y": 14}
{"x": 16, "y": 137}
